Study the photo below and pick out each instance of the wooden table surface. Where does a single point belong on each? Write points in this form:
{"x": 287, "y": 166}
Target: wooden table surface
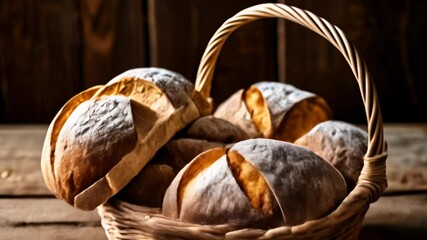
{"x": 29, "y": 211}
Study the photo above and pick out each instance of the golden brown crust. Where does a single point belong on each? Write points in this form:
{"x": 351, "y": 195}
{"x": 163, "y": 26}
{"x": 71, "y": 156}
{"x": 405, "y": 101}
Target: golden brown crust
{"x": 301, "y": 118}
{"x": 293, "y": 111}
{"x": 85, "y": 149}
{"x": 234, "y": 110}
{"x": 260, "y": 183}
{"x": 274, "y": 110}
{"x": 260, "y": 114}
{"x": 202, "y": 162}
{"x": 342, "y": 144}
{"x": 48, "y": 152}
{"x": 252, "y": 183}
{"x": 215, "y": 130}
{"x": 78, "y": 166}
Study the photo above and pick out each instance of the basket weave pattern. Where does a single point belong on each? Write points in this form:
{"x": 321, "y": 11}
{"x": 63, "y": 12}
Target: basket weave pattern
{"x": 126, "y": 221}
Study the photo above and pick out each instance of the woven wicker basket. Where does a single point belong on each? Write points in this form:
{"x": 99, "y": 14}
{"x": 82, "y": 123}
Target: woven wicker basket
{"x": 122, "y": 220}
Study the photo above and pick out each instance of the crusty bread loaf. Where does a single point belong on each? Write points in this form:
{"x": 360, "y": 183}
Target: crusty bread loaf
{"x": 215, "y": 129}
{"x": 103, "y": 137}
{"x": 342, "y": 144}
{"x": 259, "y": 183}
{"x": 274, "y": 110}
{"x": 234, "y": 110}
{"x": 47, "y": 158}
{"x": 86, "y": 149}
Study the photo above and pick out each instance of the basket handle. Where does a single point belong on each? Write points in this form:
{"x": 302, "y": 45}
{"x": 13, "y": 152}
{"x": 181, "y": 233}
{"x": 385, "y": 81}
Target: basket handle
{"x": 373, "y": 176}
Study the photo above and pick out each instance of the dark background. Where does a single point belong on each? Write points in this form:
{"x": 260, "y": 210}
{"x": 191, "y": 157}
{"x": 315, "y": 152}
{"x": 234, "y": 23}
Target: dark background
{"x": 52, "y": 49}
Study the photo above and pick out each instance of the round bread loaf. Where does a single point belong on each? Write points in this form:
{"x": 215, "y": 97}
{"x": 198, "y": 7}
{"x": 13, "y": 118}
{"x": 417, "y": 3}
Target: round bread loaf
{"x": 104, "y": 136}
{"x": 258, "y": 183}
{"x": 274, "y": 110}
{"x": 342, "y": 144}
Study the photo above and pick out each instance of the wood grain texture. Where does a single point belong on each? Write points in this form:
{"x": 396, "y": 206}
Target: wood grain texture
{"x": 180, "y": 30}
{"x": 20, "y": 151}
{"x": 52, "y": 232}
{"x": 39, "y": 58}
{"x": 113, "y": 39}
{"x": 396, "y": 217}
{"x": 35, "y": 211}
{"x": 51, "y": 50}
{"x": 389, "y": 37}
{"x": 407, "y": 160}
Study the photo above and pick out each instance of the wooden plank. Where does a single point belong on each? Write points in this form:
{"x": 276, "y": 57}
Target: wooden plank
{"x": 20, "y": 150}
{"x": 113, "y": 39}
{"x": 39, "y": 62}
{"x": 407, "y": 160}
{"x": 44, "y": 218}
{"x": 52, "y": 232}
{"x": 50, "y": 50}
{"x": 180, "y": 30}
{"x": 39, "y": 211}
{"x": 396, "y": 217}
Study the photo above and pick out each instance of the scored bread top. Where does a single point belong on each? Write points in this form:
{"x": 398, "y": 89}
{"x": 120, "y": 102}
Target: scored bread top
{"x": 256, "y": 183}
{"x": 306, "y": 186}
{"x": 86, "y": 146}
{"x": 95, "y": 156}
{"x": 274, "y": 110}
{"x": 178, "y": 89}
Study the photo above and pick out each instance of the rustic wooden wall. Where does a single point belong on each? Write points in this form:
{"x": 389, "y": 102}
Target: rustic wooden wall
{"x": 390, "y": 35}
{"x": 50, "y": 50}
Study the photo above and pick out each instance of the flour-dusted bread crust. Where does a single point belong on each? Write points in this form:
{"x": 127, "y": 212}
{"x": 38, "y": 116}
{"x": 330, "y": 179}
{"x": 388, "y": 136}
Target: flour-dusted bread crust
{"x": 274, "y": 110}
{"x": 306, "y": 186}
{"x": 259, "y": 183}
{"x": 85, "y": 149}
{"x": 48, "y": 152}
{"x": 342, "y": 144}
{"x": 215, "y": 130}
{"x": 103, "y": 137}
{"x": 234, "y": 110}
{"x": 293, "y": 111}
{"x": 179, "y": 90}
